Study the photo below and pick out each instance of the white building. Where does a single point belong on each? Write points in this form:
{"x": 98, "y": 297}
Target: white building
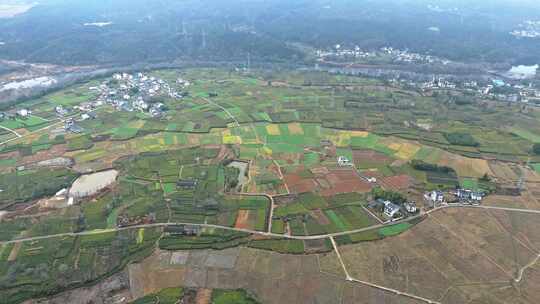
{"x": 24, "y": 112}
{"x": 391, "y": 209}
{"x": 434, "y": 196}
{"x": 344, "y": 161}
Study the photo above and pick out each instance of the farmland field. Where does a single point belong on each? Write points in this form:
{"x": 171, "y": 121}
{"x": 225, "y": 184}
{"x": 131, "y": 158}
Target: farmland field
{"x": 179, "y": 219}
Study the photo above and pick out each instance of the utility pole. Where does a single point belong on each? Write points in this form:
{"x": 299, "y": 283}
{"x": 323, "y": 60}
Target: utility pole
{"x": 184, "y": 31}
{"x": 249, "y": 61}
{"x": 203, "y": 39}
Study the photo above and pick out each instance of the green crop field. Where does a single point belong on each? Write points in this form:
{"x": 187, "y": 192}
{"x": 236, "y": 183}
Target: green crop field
{"x": 164, "y": 296}
{"x": 470, "y": 183}
{"x": 394, "y": 229}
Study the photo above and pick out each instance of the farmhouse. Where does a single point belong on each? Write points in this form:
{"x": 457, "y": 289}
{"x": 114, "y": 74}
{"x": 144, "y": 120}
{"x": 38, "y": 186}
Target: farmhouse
{"x": 187, "y": 184}
{"x": 434, "y": 196}
{"x": 344, "y": 161}
{"x": 410, "y": 207}
{"x": 186, "y": 230}
{"x": 468, "y": 195}
{"x": 24, "y": 112}
{"x": 391, "y": 209}
{"x": 60, "y": 110}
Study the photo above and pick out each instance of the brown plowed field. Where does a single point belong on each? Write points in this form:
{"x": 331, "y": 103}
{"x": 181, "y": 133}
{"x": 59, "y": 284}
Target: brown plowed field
{"x": 397, "y": 182}
{"x": 345, "y": 181}
{"x": 298, "y": 184}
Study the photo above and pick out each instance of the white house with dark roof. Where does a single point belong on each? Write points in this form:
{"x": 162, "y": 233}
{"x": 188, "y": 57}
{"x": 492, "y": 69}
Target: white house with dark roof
{"x": 391, "y": 209}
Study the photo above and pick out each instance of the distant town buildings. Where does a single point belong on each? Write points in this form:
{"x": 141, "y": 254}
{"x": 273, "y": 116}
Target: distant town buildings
{"x": 527, "y": 29}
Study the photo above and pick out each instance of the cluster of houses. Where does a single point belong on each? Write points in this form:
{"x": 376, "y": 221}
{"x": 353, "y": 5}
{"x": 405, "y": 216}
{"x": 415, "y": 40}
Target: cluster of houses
{"x": 396, "y": 55}
{"x": 515, "y": 92}
{"x": 133, "y": 92}
{"x": 183, "y": 230}
{"x": 457, "y": 196}
{"x": 20, "y": 113}
{"x": 392, "y": 211}
{"x": 527, "y": 29}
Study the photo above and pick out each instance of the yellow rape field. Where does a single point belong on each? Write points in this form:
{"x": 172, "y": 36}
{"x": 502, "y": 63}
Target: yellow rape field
{"x": 228, "y": 138}
{"x": 404, "y": 150}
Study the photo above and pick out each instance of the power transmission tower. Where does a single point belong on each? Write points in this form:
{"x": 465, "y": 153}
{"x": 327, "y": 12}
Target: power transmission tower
{"x": 249, "y": 61}
{"x": 203, "y": 38}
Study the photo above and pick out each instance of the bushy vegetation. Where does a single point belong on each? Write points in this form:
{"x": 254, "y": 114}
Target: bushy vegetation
{"x": 461, "y": 139}
{"x": 536, "y": 148}
{"x": 208, "y": 239}
{"x": 423, "y": 166}
{"x": 23, "y": 186}
{"x": 394, "y": 197}
{"x": 164, "y": 296}
{"x": 240, "y": 296}
{"x": 45, "y": 267}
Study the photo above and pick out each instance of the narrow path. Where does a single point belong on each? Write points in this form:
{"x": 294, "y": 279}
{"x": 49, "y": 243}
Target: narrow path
{"x": 223, "y": 109}
{"x": 281, "y": 176}
{"x": 11, "y": 131}
{"x": 373, "y": 215}
{"x": 522, "y": 270}
{"x": 503, "y": 208}
{"x": 347, "y": 276}
{"x": 390, "y": 290}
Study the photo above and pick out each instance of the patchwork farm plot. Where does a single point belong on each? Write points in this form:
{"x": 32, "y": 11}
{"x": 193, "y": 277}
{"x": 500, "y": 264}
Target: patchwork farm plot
{"x": 313, "y": 155}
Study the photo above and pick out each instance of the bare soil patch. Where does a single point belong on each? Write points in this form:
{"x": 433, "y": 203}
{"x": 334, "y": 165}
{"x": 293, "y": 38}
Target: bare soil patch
{"x": 204, "y": 296}
{"x": 397, "y": 182}
{"x": 369, "y": 156}
{"x": 345, "y": 181}
{"x": 91, "y": 184}
{"x": 242, "y": 219}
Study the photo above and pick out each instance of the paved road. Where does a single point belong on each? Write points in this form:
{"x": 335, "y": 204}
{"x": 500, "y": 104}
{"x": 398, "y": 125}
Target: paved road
{"x": 264, "y": 233}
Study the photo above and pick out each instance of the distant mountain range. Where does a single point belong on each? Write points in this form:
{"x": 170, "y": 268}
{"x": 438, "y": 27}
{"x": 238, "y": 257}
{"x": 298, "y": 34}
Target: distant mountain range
{"x": 78, "y": 32}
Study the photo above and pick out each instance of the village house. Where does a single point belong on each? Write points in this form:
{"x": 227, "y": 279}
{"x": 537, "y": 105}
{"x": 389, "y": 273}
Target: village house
{"x": 410, "y": 207}
{"x": 469, "y": 195}
{"x": 344, "y": 161}
{"x": 24, "y": 113}
{"x": 391, "y": 209}
{"x": 187, "y": 184}
{"x": 434, "y": 196}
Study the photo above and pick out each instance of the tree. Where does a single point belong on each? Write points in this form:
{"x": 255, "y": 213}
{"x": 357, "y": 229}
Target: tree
{"x": 536, "y": 148}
